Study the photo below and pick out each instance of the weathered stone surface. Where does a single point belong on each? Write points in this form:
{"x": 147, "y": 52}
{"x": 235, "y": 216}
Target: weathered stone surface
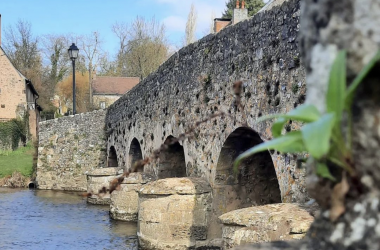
{"x": 104, "y": 172}
{"x": 125, "y": 202}
{"x": 69, "y": 148}
{"x": 173, "y": 220}
{"x": 138, "y": 178}
{"x": 196, "y": 82}
{"x": 264, "y": 224}
{"x": 176, "y": 186}
{"x": 97, "y": 180}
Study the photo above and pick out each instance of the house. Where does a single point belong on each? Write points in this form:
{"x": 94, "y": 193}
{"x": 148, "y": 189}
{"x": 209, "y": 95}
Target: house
{"x": 238, "y": 15}
{"x": 107, "y": 89}
{"x": 18, "y": 97}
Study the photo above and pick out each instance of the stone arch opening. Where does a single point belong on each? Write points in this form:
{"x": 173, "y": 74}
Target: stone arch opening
{"x": 135, "y": 154}
{"x": 256, "y": 182}
{"x": 172, "y": 160}
{"x": 112, "y": 158}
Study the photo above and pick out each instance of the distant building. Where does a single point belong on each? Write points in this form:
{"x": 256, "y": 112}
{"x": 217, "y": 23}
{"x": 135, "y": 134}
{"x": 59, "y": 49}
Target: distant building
{"x": 107, "y": 89}
{"x": 18, "y": 96}
{"x": 238, "y": 15}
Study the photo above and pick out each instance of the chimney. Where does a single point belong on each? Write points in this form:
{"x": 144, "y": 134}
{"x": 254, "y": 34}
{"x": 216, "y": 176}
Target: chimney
{"x": 239, "y": 14}
{"x": 0, "y": 30}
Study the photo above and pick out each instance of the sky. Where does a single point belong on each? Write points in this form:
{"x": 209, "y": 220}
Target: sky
{"x": 83, "y": 17}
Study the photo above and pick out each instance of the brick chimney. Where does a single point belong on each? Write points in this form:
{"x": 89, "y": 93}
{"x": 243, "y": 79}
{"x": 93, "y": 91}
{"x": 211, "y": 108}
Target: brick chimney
{"x": 239, "y": 14}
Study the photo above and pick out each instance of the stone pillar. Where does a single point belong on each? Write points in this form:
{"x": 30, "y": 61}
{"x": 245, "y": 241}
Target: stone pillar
{"x": 125, "y": 202}
{"x": 96, "y": 180}
{"x": 274, "y": 222}
{"x": 174, "y": 213}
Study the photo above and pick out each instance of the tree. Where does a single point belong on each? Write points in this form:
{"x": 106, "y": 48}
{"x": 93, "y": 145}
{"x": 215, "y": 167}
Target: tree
{"x": 143, "y": 47}
{"x": 253, "y": 7}
{"x": 65, "y": 91}
{"x": 56, "y": 60}
{"x": 90, "y": 45}
{"x": 22, "y": 47}
{"x": 191, "y": 26}
{"x": 121, "y": 30}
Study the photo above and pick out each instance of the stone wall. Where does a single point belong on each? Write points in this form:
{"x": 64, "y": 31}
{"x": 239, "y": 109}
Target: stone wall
{"x": 70, "y": 147}
{"x": 196, "y": 82}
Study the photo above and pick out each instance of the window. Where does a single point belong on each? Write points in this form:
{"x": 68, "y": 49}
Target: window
{"x": 2, "y": 105}
{"x": 102, "y": 105}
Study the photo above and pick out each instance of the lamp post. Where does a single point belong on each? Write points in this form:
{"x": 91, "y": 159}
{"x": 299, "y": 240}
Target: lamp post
{"x": 73, "y": 53}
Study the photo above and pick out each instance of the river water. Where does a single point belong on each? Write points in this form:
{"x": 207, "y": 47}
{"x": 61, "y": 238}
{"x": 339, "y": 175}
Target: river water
{"x": 44, "y": 219}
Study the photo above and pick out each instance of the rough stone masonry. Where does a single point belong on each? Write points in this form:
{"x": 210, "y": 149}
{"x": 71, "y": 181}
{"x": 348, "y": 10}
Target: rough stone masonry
{"x": 195, "y": 83}
{"x": 69, "y": 148}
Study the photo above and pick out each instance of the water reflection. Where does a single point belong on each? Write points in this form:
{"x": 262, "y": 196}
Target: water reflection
{"x": 39, "y": 219}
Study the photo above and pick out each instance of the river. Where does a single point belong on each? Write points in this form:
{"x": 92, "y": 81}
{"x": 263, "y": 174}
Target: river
{"x": 45, "y": 219}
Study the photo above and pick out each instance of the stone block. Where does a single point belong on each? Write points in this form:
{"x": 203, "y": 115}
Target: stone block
{"x": 265, "y": 223}
{"x": 173, "y": 213}
{"x": 97, "y": 180}
{"x": 125, "y": 202}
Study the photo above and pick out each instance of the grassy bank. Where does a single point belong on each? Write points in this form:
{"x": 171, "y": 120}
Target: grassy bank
{"x": 20, "y": 160}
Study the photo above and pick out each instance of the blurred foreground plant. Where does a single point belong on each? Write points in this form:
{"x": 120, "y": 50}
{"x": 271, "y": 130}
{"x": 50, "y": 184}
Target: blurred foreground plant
{"x": 321, "y": 135}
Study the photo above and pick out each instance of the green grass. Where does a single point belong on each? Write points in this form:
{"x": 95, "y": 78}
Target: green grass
{"x": 20, "y": 160}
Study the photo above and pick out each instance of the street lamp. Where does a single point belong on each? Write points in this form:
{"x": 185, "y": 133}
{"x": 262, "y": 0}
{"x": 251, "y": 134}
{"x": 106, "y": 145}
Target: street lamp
{"x": 73, "y": 53}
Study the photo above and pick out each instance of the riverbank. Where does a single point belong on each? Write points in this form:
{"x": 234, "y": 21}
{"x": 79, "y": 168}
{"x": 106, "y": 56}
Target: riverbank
{"x": 16, "y": 167}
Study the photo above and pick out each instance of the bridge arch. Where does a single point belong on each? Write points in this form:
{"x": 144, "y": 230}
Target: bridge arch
{"x": 171, "y": 161}
{"x": 255, "y": 183}
{"x": 112, "y": 158}
{"x": 135, "y": 154}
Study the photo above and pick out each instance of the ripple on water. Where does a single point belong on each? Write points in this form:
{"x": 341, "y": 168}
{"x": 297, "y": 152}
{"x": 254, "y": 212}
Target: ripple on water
{"x": 45, "y": 219}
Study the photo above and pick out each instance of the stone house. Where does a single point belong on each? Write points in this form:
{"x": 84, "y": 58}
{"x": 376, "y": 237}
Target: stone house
{"x": 18, "y": 96}
{"x": 107, "y": 89}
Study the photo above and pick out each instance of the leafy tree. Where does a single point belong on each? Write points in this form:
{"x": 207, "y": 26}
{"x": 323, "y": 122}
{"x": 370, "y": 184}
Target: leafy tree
{"x": 253, "y": 7}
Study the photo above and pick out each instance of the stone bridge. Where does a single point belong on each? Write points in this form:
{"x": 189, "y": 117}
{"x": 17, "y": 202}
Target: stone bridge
{"x": 192, "y": 85}
{"x": 195, "y": 83}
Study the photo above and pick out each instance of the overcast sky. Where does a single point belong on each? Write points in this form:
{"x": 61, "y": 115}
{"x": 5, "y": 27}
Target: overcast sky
{"x": 86, "y": 16}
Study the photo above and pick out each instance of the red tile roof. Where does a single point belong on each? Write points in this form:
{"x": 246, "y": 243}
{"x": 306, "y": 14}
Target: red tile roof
{"x": 109, "y": 85}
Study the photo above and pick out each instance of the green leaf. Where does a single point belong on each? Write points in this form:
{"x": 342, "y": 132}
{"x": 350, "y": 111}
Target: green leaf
{"x": 335, "y": 97}
{"x": 289, "y": 143}
{"x": 317, "y": 135}
{"x": 359, "y": 78}
{"x": 303, "y": 113}
{"x": 323, "y": 171}
{"x": 277, "y": 127}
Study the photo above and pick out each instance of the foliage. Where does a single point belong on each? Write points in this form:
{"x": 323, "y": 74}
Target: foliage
{"x": 65, "y": 91}
{"x": 20, "y": 160}
{"x": 143, "y": 47}
{"x": 321, "y": 136}
{"x": 253, "y": 7}
{"x": 12, "y": 132}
